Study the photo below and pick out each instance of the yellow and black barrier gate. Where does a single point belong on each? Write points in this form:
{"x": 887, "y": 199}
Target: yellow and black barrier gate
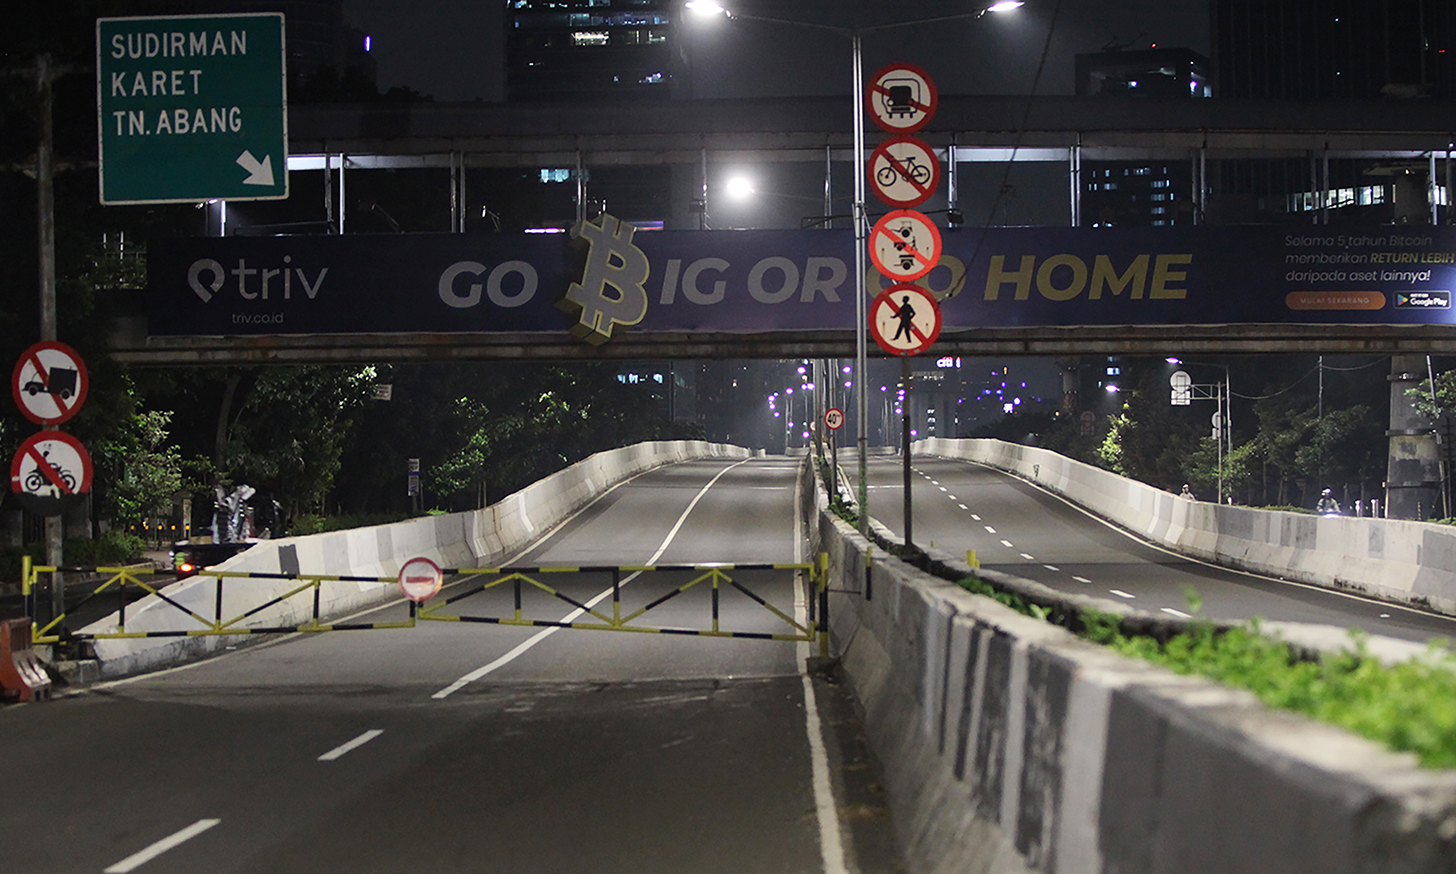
{"x": 521, "y": 582}
{"x": 715, "y": 578}
{"x": 118, "y": 580}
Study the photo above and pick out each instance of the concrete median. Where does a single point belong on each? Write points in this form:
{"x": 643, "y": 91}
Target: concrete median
{"x": 1011, "y": 745}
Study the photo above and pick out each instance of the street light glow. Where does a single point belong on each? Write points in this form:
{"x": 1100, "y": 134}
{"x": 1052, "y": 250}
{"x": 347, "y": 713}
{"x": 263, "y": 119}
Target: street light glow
{"x": 707, "y": 7}
{"x": 1001, "y": 6}
{"x": 739, "y": 188}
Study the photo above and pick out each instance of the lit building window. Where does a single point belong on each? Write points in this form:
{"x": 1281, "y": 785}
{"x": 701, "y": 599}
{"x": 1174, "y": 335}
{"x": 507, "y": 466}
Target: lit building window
{"x": 589, "y": 38}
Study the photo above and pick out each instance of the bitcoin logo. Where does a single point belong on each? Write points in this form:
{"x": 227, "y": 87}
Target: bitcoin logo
{"x": 611, "y": 261}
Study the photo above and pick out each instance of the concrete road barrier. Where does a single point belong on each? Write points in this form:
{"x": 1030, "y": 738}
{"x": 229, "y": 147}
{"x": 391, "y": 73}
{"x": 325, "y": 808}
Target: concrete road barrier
{"x": 1011, "y": 745}
{"x": 1411, "y": 563}
{"x": 478, "y": 538}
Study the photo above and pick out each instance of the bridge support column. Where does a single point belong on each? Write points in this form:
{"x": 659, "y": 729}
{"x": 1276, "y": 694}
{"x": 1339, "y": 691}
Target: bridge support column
{"x": 1412, "y": 479}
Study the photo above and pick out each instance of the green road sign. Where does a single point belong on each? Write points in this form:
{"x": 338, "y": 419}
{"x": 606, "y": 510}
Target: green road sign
{"x": 192, "y": 107}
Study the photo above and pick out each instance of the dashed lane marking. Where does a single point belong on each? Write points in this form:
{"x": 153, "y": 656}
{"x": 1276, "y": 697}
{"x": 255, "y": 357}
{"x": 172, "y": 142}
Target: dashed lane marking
{"x": 1081, "y": 579}
{"x": 136, "y": 860}
{"x": 1006, "y": 543}
{"x": 338, "y": 751}
{"x": 1179, "y": 613}
{"x": 1121, "y": 594}
{"x": 1053, "y": 568}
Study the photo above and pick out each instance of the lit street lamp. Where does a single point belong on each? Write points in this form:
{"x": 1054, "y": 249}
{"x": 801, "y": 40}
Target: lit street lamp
{"x": 861, "y": 223}
{"x": 1184, "y": 391}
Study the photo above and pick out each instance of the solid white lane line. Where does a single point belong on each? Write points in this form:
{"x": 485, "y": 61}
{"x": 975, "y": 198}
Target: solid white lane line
{"x": 571, "y": 617}
{"x": 1082, "y": 579}
{"x": 826, "y": 811}
{"x": 1121, "y": 594}
{"x": 1179, "y": 613}
{"x": 354, "y": 744}
{"x": 136, "y": 860}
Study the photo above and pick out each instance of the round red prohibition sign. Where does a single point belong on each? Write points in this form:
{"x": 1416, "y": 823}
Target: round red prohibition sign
{"x": 904, "y": 171}
{"x": 834, "y": 418}
{"x": 420, "y": 579}
{"x": 905, "y": 319}
{"x": 49, "y": 383}
{"x": 901, "y": 98}
{"x": 51, "y": 464}
{"x": 904, "y": 245}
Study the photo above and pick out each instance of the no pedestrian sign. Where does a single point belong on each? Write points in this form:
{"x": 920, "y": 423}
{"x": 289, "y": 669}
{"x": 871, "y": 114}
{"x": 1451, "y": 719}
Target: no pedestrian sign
{"x": 905, "y": 319}
{"x": 192, "y": 107}
{"x": 49, "y": 383}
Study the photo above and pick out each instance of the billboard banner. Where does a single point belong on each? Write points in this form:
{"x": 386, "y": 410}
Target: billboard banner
{"x": 607, "y": 277}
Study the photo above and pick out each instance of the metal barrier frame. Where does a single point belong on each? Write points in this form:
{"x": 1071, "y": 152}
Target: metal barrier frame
{"x": 121, "y": 577}
{"x": 714, "y": 574}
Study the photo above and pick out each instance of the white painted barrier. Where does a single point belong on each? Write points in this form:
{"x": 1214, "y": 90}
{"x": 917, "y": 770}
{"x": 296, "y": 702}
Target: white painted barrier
{"x": 1010, "y": 745}
{"x": 1407, "y": 562}
{"x": 475, "y": 538}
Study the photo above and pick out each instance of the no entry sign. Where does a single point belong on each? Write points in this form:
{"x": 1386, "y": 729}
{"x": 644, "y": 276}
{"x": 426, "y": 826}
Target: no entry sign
{"x": 903, "y": 171}
{"x": 50, "y": 472}
{"x": 905, "y": 319}
{"x": 420, "y": 579}
{"x": 49, "y": 383}
{"x": 905, "y": 245}
{"x": 901, "y": 98}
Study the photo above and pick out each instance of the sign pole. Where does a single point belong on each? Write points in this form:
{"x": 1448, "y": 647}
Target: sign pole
{"x": 905, "y": 451}
{"x": 55, "y": 526}
{"x": 861, "y": 316}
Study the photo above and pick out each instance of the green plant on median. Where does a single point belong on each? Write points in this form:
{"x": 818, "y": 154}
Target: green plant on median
{"x": 838, "y": 504}
{"x": 1408, "y": 707}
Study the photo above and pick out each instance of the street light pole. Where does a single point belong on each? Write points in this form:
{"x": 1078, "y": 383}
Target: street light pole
{"x": 861, "y": 313}
{"x": 858, "y": 212}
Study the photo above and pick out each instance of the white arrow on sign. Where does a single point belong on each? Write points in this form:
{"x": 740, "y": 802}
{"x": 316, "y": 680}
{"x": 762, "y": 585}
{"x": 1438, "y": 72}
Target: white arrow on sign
{"x": 260, "y": 172}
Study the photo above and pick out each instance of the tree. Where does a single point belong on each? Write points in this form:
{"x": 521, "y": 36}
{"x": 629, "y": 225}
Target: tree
{"x": 290, "y": 430}
{"x": 143, "y": 472}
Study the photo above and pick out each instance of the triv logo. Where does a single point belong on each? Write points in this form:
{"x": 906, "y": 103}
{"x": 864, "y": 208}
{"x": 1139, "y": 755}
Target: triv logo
{"x": 207, "y": 277}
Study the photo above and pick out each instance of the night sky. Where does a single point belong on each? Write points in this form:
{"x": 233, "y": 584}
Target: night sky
{"x": 452, "y": 49}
